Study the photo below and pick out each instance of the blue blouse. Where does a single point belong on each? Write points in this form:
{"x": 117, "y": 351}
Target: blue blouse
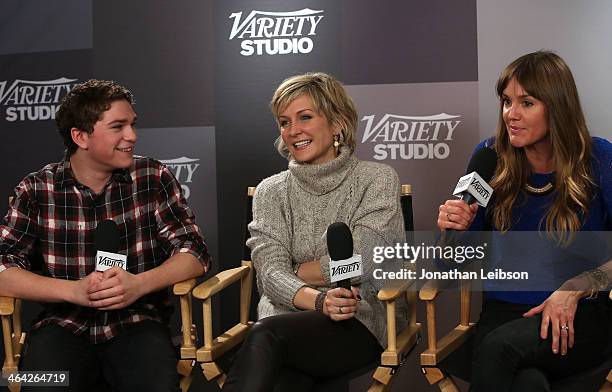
{"x": 527, "y": 215}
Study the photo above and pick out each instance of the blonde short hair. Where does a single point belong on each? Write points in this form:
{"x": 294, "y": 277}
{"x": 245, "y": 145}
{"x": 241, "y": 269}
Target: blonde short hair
{"x": 328, "y": 97}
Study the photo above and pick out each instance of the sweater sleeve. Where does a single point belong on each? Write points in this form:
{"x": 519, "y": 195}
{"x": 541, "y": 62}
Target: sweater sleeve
{"x": 377, "y": 221}
{"x": 270, "y": 244}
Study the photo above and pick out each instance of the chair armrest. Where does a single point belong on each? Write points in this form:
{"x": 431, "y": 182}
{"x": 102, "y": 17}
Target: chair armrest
{"x": 432, "y": 288}
{"x": 184, "y": 287}
{"x": 220, "y": 281}
{"x": 185, "y": 290}
{"x": 390, "y": 293}
{"x": 213, "y": 348}
{"x": 203, "y": 291}
{"x": 7, "y": 306}
{"x": 430, "y": 291}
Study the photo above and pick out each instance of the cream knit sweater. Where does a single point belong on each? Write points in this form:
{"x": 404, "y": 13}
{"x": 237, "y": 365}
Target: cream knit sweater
{"x": 291, "y": 213}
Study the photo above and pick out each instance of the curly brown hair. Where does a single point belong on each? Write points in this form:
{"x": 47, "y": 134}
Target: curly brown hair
{"x": 83, "y": 106}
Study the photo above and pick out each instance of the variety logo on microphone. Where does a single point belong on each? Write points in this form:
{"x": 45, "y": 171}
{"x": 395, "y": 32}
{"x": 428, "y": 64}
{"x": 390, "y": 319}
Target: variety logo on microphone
{"x": 410, "y": 137}
{"x": 108, "y": 260}
{"x": 345, "y": 269}
{"x": 30, "y": 100}
{"x": 474, "y": 185}
{"x": 273, "y": 33}
{"x": 183, "y": 168}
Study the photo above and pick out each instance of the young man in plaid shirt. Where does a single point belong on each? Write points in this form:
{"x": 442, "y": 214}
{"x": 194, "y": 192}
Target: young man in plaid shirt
{"x": 100, "y": 324}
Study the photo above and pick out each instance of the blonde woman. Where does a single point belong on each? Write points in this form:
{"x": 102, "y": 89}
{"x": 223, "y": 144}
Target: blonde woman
{"x": 307, "y": 328}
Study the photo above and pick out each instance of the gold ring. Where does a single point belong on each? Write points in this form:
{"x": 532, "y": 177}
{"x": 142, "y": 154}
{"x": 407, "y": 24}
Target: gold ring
{"x": 340, "y": 309}
{"x": 565, "y": 327}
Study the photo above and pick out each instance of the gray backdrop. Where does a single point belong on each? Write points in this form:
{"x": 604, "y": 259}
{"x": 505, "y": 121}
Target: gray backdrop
{"x": 203, "y": 106}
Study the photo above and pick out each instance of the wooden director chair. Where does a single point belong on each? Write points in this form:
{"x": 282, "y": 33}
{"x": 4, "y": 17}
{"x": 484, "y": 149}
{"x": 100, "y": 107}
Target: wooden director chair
{"x": 210, "y": 354}
{"x": 14, "y": 336}
{"x": 437, "y": 350}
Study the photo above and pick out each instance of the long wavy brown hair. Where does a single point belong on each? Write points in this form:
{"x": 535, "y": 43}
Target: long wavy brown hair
{"x": 546, "y": 77}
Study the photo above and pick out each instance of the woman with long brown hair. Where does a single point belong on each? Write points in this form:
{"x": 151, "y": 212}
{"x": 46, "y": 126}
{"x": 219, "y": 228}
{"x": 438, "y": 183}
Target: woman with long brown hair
{"x": 552, "y": 177}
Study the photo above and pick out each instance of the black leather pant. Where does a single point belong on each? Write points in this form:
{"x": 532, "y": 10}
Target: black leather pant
{"x": 296, "y": 350}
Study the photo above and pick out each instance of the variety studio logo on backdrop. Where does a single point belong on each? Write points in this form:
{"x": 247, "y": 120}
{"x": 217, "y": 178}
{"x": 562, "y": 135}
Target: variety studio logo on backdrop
{"x": 33, "y": 100}
{"x": 272, "y": 33}
{"x": 183, "y": 168}
{"x": 410, "y": 137}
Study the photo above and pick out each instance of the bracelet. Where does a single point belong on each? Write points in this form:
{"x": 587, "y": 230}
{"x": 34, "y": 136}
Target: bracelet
{"x": 319, "y": 301}
{"x": 296, "y": 268}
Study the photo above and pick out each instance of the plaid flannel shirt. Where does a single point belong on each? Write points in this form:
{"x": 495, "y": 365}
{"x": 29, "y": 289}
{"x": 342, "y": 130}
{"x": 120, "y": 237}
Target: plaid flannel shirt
{"x": 57, "y": 216}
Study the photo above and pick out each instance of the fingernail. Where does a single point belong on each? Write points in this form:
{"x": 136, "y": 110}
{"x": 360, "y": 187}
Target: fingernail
{"x": 555, "y": 350}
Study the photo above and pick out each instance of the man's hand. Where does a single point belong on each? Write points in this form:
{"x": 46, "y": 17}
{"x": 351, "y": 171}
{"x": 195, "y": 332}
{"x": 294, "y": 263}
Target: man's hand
{"x": 116, "y": 290}
{"x": 83, "y": 286}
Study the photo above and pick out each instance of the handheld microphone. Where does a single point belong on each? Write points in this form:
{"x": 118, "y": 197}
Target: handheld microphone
{"x": 343, "y": 265}
{"x": 473, "y": 187}
{"x": 106, "y": 239}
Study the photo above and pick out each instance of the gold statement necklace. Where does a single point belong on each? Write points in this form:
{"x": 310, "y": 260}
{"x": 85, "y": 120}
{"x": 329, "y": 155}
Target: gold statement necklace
{"x": 539, "y": 191}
